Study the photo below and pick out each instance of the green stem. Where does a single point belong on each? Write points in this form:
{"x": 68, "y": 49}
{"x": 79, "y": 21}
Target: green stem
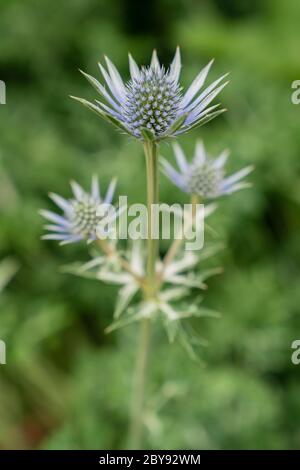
{"x": 136, "y": 427}
{"x": 178, "y": 241}
{"x": 152, "y": 198}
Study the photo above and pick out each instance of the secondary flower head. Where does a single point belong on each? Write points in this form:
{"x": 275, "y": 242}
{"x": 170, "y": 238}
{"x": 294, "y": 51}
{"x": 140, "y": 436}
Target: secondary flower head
{"x": 82, "y": 215}
{"x": 152, "y": 104}
{"x": 204, "y": 176}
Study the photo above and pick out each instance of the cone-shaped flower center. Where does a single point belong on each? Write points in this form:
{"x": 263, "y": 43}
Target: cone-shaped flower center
{"x": 152, "y": 101}
{"x": 85, "y": 218}
{"x": 205, "y": 180}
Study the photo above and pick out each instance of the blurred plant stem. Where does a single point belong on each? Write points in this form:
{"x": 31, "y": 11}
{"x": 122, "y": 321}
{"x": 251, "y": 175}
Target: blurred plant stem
{"x": 138, "y": 398}
{"x": 110, "y": 251}
{"x": 173, "y": 250}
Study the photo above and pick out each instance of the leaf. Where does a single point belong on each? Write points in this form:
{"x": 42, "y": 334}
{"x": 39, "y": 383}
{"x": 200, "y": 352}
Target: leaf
{"x": 107, "y": 117}
{"x": 118, "y": 124}
{"x": 188, "y": 346}
{"x": 176, "y": 125}
{"x": 76, "y": 270}
{"x": 206, "y": 312}
{"x": 189, "y": 280}
{"x": 147, "y": 134}
{"x": 8, "y": 269}
{"x": 90, "y": 106}
{"x": 125, "y": 296}
{"x": 171, "y": 329}
{"x": 173, "y": 293}
{"x": 124, "y": 322}
{"x": 210, "y": 272}
{"x": 100, "y": 89}
{"x": 205, "y": 119}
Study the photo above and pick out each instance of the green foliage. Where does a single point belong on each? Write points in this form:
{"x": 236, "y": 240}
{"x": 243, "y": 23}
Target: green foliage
{"x": 66, "y": 384}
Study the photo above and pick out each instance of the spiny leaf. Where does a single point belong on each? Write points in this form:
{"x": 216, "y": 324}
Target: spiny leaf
{"x": 176, "y": 125}
{"x": 147, "y": 134}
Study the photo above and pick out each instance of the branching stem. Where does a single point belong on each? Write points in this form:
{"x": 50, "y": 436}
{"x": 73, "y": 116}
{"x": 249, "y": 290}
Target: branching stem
{"x": 171, "y": 253}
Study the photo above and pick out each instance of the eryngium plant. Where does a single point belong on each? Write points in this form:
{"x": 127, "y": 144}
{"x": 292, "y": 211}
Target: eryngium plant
{"x": 152, "y": 103}
{"x": 152, "y": 107}
{"x": 204, "y": 176}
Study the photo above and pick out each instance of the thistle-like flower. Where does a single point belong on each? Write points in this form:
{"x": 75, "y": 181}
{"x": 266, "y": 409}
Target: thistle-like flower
{"x": 151, "y": 105}
{"x": 82, "y": 215}
{"x": 204, "y": 176}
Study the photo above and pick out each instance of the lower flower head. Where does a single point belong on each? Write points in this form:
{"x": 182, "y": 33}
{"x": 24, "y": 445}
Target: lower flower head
{"x": 204, "y": 176}
{"x": 82, "y": 215}
{"x": 205, "y": 180}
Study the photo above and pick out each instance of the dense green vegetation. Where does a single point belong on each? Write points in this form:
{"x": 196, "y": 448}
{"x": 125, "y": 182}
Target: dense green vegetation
{"x": 66, "y": 384}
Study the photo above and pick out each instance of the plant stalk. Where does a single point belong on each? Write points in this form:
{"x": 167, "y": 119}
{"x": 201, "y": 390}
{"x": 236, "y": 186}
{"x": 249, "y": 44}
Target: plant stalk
{"x": 136, "y": 426}
{"x": 178, "y": 241}
{"x": 109, "y": 251}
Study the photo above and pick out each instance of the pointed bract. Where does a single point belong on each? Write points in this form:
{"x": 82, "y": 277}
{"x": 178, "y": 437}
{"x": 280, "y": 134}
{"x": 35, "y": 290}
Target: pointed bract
{"x": 151, "y": 104}
{"x": 80, "y": 219}
{"x": 203, "y": 176}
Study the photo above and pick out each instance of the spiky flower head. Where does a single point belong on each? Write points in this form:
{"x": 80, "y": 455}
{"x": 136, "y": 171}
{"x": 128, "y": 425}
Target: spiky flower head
{"x": 152, "y": 104}
{"x": 82, "y": 215}
{"x": 204, "y": 176}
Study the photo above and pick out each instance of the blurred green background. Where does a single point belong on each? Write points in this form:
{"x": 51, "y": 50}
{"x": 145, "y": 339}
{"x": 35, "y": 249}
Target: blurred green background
{"x": 66, "y": 384}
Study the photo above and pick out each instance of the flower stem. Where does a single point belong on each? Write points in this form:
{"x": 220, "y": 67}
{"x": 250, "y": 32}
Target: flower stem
{"x": 178, "y": 241}
{"x": 110, "y": 251}
{"x": 136, "y": 427}
{"x": 152, "y": 198}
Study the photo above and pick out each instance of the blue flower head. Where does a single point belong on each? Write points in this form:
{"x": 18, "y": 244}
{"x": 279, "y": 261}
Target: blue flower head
{"x": 82, "y": 215}
{"x": 152, "y": 103}
{"x": 204, "y": 176}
